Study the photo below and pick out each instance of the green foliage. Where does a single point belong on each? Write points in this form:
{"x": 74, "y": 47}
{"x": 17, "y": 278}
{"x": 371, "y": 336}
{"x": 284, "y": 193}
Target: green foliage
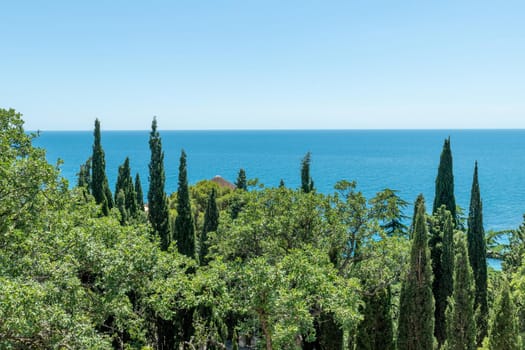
{"x": 99, "y": 182}
{"x": 504, "y": 332}
{"x": 125, "y": 195}
{"x": 513, "y": 258}
{"x": 442, "y": 255}
{"x": 416, "y": 318}
{"x": 307, "y": 184}
{"x": 460, "y": 321}
{"x": 84, "y": 176}
{"x": 389, "y": 208}
{"x": 281, "y": 295}
{"x": 478, "y": 256}
{"x": 139, "y": 193}
{"x": 158, "y": 212}
{"x": 184, "y": 228}
{"x": 376, "y": 331}
{"x": 211, "y": 222}
{"x": 240, "y": 183}
{"x": 445, "y": 182}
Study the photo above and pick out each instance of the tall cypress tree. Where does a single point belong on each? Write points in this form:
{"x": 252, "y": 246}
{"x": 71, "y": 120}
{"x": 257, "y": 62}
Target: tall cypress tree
{"x": 504, "y": 331}
{"x": 307, "y": 184}
{"x": 241, "y": 180}
{"x": 443, "y": 267}
{"x": 158, "y": 212}
{"x": 99, "y": 182}
{"x": 211, "y": 222}
{"x": 376, "y": 330}
{"x": 184, "y": 228}
{"x": 445, "y": 182}
{"x": 138, "y": 192}
{"x": 416, "y": 310}
{"x": 478, "y": 255}
{"x": 461, "y": 326}
{"x": 125, "y": 185}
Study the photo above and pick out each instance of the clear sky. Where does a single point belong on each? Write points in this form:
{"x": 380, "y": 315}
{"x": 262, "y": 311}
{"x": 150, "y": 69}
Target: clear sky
{"x": 264, "y": 64}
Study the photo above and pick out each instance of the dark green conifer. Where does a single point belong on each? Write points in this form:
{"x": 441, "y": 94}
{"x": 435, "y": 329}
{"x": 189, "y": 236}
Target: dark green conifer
{"x": 158, "y": 212}
{"x": 281, "y": 184}
{"x": 307, "y": 184}
{"x": 211, "y": 222}
{"x": 478, "y": 256}
{"x": 99, "y": 182}
{"x": 84, "y": 176}
{"x": 417, "y": 203}
{"x": 240, "y": 183}
{"x": 184, "y": 228}
{"x": 504, "y": 331}
{"x": 460, "y": 320}
{"x": 138, "y": 192}
{"x": 442, "y": 255}
{"x": 125, "y": 185}
{"x": 416, "y": 310}
{"x": 376, "y": 331}
{"x": 120, "y": 203}
{"x": 445, "y": 182}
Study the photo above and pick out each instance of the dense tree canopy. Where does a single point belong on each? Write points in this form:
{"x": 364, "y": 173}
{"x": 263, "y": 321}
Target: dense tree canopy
{"x": 279, "y": 268}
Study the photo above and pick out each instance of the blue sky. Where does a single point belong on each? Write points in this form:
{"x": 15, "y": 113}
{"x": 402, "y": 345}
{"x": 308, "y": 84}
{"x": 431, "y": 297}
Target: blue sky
{"x": 264, "y": 64}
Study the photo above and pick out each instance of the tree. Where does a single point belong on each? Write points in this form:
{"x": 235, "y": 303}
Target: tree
{"x": 281, "y": 184}
{"x": 241, "y": 180}
{"x": 184, "y": 228}
{"x": 504, "y": 332}
{"x": 84, "y": 175}
{"x": 158, "y": 212}
{"x": 445, "y": 182}
{"x": 388, "y": 207}
{"x": 376, "y": 330}
{"x": 416, "y": 310}
{"x": 211, "y": 222}
{"x": 478, "y": 256}
{"x": 307, "y": 184}
{"x": 138, "y": 191}
{"x": 460, "y": 320}
{"x": 442, "y": 255}
{"x": 129, "y": 197}
{"x": 99, "y": 182}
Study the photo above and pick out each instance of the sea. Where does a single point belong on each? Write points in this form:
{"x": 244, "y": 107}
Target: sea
{"x": 403, "y": 160}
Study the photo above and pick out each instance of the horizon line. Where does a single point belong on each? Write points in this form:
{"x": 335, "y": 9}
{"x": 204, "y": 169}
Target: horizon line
{"x": 310, "y": 129}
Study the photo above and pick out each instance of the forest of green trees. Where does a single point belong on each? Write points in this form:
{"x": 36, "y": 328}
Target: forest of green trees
{"x": 83, "y": 266}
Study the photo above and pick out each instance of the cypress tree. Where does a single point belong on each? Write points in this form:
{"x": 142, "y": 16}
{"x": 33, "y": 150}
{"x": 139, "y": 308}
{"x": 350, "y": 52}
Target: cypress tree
{"x": 184, "y": 229}
{"x": 241, "y": 180}
{"x": 158, "y": 212}
{"x": 504, "y": 332}
{"x": 281, "y": 184}
{"x": 84, "y": 176}
{"x": 99, "y": 182}
{"x": 461, "y": 325}
{"x": 478, "y": 256}
{"x": 211, "y": 222}
{"x": 120, "y": 203}
{"x": 416, "y": 310}
{"x": 442, "y": 257}
{"x": 138, "y": 192}
{"x": 445, "y": 182}
{"x": 417, "y": 203}
{"x": 125, "y": 184}
{"x": 376, "y": 331}
{"x": 307, "y": 184}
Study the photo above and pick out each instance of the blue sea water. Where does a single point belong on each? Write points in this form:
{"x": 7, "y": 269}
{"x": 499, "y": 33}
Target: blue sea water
{"x": 405, "y": 160}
